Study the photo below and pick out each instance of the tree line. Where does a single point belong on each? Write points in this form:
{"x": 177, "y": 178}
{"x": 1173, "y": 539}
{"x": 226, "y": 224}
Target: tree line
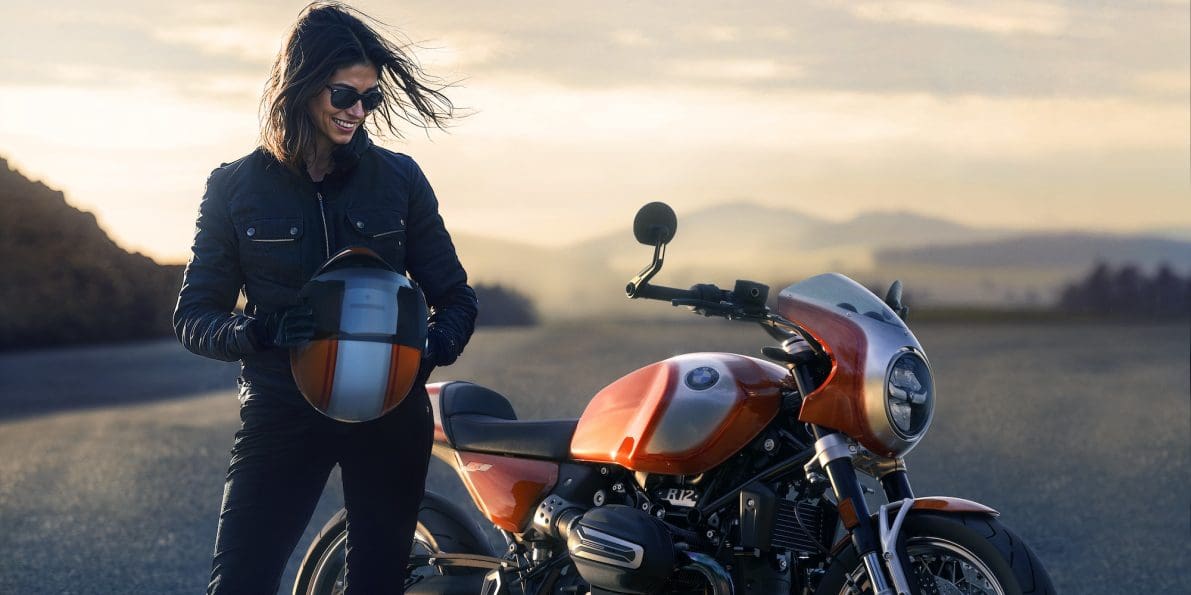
{"x": 504, "y": 306}
{"x": 1127, "y": 291}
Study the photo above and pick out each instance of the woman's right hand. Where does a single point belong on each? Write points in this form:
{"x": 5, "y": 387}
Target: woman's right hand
{"x": 285, "y": 328}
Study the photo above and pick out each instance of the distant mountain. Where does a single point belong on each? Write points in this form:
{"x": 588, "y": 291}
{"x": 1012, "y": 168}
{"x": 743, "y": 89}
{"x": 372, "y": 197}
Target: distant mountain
{"x": 1174, "y": 233}
{"x": 748, "y": 222}
{"x": 1060, "y": 250}
{"x": 896, "y": 228}
{"x": 65, "y": 281}
{"x": 769, "y": 228}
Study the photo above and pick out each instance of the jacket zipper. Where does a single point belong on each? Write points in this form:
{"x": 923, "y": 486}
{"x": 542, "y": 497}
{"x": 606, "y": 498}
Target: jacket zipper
{"x": 326, "y": 236}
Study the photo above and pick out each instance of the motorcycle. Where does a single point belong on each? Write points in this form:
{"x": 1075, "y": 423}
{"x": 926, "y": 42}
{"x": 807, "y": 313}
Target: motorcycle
{"x": 711, "y": 473}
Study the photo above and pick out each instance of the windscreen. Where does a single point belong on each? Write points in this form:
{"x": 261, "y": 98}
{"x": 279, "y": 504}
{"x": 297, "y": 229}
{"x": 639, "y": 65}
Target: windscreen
{"x": 837, "y": 292}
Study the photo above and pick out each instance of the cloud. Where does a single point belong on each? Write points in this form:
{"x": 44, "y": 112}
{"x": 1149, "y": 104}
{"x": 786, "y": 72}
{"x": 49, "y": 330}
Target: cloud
{"x": 859, "y": 125}
{"x": 250, "y": 32}
{"x": 632, "y": 38}
{"x": 1171, "y": 82}
{"x": 244, "y": 41}
{"x": 712, "y": 33}
{"x": 927, "y": 46}
{"x": 464, "y": 50}
{"x": 1001, "y": 18}
{"x": 1014, "y": 48}
{"x": 735, "y": 71}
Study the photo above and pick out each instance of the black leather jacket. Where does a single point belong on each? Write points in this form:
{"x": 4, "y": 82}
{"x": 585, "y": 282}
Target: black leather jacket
{"x": 265, "y": 229}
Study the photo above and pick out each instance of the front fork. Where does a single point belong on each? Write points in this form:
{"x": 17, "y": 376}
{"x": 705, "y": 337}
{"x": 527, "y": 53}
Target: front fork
{"x": 834, "y": 456}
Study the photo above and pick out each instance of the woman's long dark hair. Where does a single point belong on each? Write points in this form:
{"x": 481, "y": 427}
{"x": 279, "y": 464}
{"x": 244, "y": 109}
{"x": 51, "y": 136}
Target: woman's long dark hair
{"x": 329, "y": 36}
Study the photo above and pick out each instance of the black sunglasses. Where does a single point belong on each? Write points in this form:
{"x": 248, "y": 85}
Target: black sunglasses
{"x": 342, "y": 98}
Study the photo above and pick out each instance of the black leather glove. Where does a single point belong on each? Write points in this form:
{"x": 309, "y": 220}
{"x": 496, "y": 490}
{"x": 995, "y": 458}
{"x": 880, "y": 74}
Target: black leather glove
{"x": 440, "y": 349}
{"x": 286, "y": 328}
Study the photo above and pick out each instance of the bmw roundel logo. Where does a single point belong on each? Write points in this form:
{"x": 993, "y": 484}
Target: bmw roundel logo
{"x": 702, "y": 378}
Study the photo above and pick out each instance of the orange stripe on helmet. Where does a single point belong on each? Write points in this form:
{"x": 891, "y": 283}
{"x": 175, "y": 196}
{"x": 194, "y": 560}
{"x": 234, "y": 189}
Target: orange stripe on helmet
{"x": 315, "y": 374}
{"x": 403, "y": 370}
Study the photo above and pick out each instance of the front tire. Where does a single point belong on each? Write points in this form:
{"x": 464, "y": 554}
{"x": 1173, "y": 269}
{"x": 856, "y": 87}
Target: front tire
{"x": 442, "y": 527}
{"x": 953, "y": 554}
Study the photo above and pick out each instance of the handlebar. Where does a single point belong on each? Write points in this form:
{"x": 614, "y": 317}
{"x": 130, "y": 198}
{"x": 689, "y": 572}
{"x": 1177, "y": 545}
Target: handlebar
{"x": 658, "y": 292}
{"x": 746, "y": 301}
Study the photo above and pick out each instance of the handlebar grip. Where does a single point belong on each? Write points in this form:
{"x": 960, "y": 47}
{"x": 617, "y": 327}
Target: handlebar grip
{"x": 659, "y": 292}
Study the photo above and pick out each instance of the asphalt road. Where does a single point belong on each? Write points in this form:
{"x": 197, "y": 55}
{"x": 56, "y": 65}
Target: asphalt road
{"x": 113, "y": 457}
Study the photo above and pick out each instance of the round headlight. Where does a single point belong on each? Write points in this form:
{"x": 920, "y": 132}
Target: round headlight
{"x": 909, "y": 395}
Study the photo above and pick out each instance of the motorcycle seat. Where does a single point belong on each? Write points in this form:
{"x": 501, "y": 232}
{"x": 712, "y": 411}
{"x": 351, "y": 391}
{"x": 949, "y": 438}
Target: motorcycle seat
{"x": 479, "y": 419}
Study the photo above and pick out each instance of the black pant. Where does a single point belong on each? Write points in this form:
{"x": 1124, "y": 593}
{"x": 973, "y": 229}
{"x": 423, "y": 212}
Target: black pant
{"x": 280, "y": 461}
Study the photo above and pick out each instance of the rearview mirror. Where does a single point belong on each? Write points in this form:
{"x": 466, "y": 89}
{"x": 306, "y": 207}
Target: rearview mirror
{"x": 655, "y": 224}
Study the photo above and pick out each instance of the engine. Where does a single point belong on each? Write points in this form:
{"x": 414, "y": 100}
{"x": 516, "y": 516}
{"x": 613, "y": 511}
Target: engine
{"x": 651, "y": 533}
{"x": 619, "y": 549}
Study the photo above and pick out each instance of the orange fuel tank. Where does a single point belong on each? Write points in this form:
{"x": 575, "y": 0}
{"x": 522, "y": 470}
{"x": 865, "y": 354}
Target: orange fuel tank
{"x": 681, "y": 416}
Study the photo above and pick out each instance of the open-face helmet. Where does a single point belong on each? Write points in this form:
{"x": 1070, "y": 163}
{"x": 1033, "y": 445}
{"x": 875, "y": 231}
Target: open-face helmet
{"x": 370, "y": 332}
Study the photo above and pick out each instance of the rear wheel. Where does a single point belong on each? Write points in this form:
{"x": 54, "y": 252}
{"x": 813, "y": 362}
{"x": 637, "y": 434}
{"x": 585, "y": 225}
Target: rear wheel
{"x": 952, "y": 555}
{"x": 442, "y": 527}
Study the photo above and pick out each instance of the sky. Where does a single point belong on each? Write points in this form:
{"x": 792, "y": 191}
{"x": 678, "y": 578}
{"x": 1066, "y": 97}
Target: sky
{"x": 1029, "y": 115}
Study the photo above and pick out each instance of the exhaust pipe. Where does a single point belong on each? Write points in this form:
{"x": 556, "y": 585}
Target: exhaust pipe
{"x": 712, "y": 572}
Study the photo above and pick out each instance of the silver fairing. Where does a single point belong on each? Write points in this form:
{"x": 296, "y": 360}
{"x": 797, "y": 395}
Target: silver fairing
{"x": 885, "y": 338}
{"x": 885, "y": 344}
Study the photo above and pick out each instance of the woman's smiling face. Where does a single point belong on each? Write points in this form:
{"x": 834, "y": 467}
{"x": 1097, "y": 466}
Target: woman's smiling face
{"x": 337, "y": 126}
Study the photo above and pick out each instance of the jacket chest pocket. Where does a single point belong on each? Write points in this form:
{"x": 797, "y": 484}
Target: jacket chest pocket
{"x": 270, "y": 248}
{"x": 383, "y": 231}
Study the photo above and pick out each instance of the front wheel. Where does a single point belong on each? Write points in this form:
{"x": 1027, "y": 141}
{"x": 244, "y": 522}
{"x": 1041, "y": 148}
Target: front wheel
{"x": 442, "y": 527}
{"x": 962, "y": 554}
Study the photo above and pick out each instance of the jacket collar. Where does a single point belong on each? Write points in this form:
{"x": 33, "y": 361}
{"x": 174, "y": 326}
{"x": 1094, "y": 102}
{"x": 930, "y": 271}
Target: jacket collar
{"x": 348, "y": 156}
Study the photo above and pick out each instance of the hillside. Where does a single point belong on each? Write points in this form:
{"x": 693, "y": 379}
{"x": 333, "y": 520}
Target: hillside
{"x": 65, "y": 281}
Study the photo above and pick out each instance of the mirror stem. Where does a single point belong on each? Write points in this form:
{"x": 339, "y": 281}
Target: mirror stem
{"x": 647, "y": 273}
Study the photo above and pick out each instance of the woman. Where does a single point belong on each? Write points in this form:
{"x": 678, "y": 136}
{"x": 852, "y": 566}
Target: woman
{"x": 267, "y": 221}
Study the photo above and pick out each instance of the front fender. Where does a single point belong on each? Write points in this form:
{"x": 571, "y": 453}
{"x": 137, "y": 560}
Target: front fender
{"x": 948, "y": 504}
{"x": 935, "y": 504}
{"x": 938, "y": 525}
